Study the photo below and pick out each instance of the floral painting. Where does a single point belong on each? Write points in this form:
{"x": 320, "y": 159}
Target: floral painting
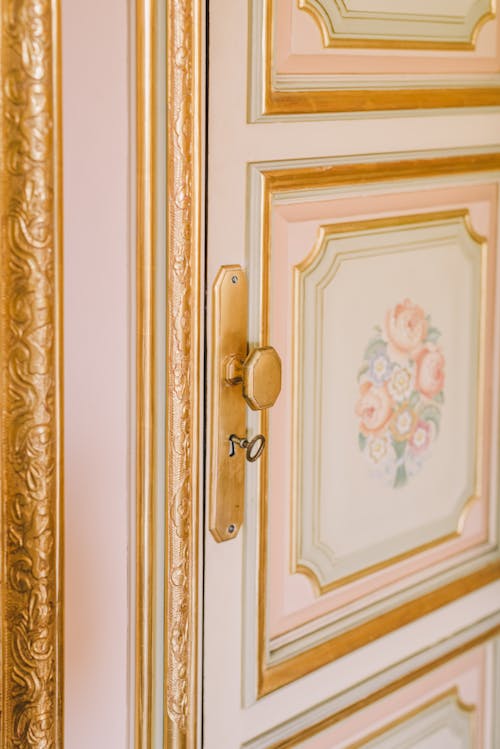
{"x": 401, "y": 393}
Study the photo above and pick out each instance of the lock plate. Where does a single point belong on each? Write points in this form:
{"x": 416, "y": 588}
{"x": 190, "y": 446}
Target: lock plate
{"x": 228, "y": 413}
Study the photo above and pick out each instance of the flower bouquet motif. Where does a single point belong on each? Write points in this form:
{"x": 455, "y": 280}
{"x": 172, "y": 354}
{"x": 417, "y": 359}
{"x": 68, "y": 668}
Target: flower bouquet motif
{"x": 401, "y": 393}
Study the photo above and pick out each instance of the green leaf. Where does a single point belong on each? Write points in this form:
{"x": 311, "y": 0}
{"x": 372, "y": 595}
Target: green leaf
{"x": 377, "y": 328}
{"x": 431, "y": 413}
{"x": 361, "y": 441}
{"x": 401, "y": 477}
{"x": 399, "y": 448}
{"x": 439, "y": 398}
{"x": 433, "y": 335}
{"x": 414, "y": 399}
{"x": 362, "y": 371}
{"x": 375, "y": 346}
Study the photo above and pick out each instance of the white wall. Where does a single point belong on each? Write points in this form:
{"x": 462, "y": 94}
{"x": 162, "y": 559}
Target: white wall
{"x": 95, "y": 130}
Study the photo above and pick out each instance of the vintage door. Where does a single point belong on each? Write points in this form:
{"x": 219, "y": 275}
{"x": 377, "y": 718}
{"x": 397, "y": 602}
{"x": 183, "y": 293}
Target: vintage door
{"x": 351, "y": 571}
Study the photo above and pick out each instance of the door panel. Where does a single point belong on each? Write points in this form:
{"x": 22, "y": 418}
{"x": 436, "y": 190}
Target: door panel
{"x": 326, "y": 56}
{"x": 378, "y": 491}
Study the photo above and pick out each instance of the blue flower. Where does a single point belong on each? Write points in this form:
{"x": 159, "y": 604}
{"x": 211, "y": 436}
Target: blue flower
{"x": 379, "y": 368}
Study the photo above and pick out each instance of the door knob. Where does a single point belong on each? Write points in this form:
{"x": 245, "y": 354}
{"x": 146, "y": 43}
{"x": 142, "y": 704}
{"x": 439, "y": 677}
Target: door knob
{"x": 260, "y": 375}
{"x": 239, "y": 378}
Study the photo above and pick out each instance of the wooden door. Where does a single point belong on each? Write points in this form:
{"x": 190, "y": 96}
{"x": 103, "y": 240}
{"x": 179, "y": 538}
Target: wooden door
{"x": 353, "y": 173}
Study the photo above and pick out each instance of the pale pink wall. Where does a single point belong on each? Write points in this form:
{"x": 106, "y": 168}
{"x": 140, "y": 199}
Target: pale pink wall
{"x": 95, "y": 127}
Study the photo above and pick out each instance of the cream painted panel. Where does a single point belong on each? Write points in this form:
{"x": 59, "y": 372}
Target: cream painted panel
{"x": 442, "y": 20}
{"x": 361, "y": 507}
{"x": 96, "y": 322}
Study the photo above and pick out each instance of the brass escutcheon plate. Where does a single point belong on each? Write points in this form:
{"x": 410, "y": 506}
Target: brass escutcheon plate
{"x": 227, "y": 482}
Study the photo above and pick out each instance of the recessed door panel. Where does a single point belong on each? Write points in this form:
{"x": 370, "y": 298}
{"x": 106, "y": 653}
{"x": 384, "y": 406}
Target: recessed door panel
{"x": 378, "y": 488}
{"x": 313, "y": 57}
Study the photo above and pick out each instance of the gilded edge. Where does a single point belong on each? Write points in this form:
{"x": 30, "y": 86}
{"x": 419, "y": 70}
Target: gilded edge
{"x": 146, "y": 438}
{"x": 184, "y": 186}
{"x": 275, "y": 180}
{"x": 31, "y": 381}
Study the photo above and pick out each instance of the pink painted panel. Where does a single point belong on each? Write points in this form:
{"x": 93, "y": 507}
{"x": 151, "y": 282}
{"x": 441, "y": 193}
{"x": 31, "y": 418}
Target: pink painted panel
{"x": 300, "y": 50}
{"x": 466, "y": 675}
{"x": 95, "y": 123}
{"x": 292, "y": 599}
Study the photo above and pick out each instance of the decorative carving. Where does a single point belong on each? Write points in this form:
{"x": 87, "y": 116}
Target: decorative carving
{"x": 184, "y": 249}
{"x": 31, "y": 409}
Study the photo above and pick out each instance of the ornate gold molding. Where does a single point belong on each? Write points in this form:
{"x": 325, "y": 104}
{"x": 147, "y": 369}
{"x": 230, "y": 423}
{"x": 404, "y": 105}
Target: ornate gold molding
{"x": 184, "y": 186}
{"x": 180, "y": 259}
{"x": 31, "y": 385}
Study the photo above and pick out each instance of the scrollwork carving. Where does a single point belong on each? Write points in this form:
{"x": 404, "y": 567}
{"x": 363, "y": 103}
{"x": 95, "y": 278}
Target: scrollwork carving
{"x": 30, "y": 453}
{"x": 183, "y": 371}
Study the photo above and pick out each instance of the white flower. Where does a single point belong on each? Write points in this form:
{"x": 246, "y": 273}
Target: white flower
{"x": 401, "y": 382}
{"x": 379, "y": 449}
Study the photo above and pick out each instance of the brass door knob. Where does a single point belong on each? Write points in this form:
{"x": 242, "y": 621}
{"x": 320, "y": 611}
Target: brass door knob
{"x": 260, "y": 374}
{"x": 262, "y": 378}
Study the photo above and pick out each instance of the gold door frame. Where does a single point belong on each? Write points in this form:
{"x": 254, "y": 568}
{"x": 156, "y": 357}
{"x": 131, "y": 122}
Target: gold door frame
{"x": 31, "y": 376}
{"x": 179, "y": 504}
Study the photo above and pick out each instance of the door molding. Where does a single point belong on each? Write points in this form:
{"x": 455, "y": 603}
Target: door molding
{"x": 169, "y": 434}
{"x": 31, "y": 382}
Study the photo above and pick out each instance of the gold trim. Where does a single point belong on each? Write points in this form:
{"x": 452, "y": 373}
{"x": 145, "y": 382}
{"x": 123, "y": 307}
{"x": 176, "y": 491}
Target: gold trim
{"x": 31, "y": 378}
{"x": 290, "y": 180}
{"x": 184, "y": 190}
{"x": 146, "y": 324}
{"x": 331, "y": 101}
{"x": 331, "y": 41}
{"x": 346, "y": 227}
{"x": 309, "y": 732}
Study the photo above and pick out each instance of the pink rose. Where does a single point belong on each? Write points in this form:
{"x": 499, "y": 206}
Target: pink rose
{"x": 421, "y": 437}
{"x": 430, "y": 371}
{"x": 374, "y": 408}
{"x": 406, "y": 327}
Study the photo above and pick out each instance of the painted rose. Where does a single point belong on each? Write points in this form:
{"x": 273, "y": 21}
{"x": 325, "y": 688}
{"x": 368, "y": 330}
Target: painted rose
{"x": 406, "y": 327}
{"x": 421, "y": 437}
{"x": 374, "y": 408}
{"x": 401, "y": 396}
{"x": 430, "y": 371}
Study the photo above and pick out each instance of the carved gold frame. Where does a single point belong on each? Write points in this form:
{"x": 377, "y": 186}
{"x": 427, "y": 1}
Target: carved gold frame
{"x": 181, "y": 196}
{"x": 31, "y": 377}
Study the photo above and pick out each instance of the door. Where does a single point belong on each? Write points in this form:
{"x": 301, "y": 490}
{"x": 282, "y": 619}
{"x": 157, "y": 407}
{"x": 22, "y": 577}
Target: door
{"x": 351, "y": 569}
